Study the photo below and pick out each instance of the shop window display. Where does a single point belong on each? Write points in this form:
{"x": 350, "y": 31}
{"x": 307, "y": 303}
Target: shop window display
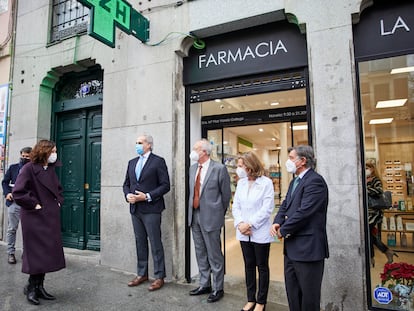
{"x": 387, "y": 107}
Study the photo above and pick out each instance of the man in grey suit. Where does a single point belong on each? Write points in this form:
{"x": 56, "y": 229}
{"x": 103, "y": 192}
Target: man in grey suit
{"x": 301, "y": 221}
{"x": 209, "y": 198}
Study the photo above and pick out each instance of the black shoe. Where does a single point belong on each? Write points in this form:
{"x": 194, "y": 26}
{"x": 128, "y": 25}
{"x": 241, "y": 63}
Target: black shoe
{"x": 250, "y": 309}
{"x": 42, "y": 293}
{"x": 215, "y": 296}
{"x": 11, "y": 259}
{"x": 200, "y": 291}
{"x": 30, "y": 292}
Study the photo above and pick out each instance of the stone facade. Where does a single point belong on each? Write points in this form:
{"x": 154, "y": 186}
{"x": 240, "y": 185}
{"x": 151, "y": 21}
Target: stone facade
{"x": 143, "y": 92}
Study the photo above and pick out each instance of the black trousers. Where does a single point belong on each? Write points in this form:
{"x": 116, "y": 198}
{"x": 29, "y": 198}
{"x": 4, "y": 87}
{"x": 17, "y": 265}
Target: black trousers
{"x": 303, "y": 282}
{"x": 375, "y": 240}
{"x": 256, "y": 255}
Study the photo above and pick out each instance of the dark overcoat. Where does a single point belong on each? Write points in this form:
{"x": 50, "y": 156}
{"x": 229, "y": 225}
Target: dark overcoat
{"x": 42, "y": 242}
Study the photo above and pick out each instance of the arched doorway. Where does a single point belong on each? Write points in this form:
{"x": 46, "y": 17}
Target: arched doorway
{"x": 78, "y": 131}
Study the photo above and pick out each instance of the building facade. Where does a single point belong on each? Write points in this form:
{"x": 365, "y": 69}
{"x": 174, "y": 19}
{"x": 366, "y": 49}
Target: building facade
{"x": 248, "y": 75}
{"x": 7, "y": 17}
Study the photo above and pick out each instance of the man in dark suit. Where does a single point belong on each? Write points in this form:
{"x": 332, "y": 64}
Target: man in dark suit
{"x": 301, "y": 221}
{"x": 145, "y": 184}
{"x": 209, "y": 199}
{"x": 13, "y": 209}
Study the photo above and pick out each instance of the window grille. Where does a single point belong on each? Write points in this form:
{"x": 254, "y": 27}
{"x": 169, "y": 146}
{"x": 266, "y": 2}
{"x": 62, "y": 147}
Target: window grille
{"x": 69, "y": 18}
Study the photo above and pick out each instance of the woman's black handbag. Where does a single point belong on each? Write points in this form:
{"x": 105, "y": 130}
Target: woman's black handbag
{"x": 383, "y": 201}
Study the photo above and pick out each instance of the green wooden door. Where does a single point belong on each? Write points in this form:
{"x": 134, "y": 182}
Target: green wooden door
{"x": 93, "y": 178}
{"x": 78, "y": 140}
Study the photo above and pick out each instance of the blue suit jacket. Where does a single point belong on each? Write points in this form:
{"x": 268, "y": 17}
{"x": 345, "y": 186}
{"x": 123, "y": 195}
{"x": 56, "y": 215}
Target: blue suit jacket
{"x": 154, "y": 179}
{"x": 302, "y": 217}
{"x": 10, "y": 179}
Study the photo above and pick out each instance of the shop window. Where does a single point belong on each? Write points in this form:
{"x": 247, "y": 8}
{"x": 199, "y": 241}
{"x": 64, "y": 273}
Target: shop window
{"x": 69, "y": 18}
{"x": 387, "y": 107}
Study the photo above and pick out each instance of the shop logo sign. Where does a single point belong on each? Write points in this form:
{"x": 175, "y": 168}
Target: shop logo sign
{"x": 106, "y": 14}
{"x": 260, "y": 50}
{"x": 399, "y": 23}
{"x": 383, "y": 295}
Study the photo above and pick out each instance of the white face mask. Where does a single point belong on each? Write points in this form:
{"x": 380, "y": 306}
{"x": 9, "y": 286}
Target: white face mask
{"x": 194, "y": 156}
{"x": 368, "y": 172}
{"x": 52, "y": 158}
{"x": 241, "y": 172}
{"x": 290, "y": 166}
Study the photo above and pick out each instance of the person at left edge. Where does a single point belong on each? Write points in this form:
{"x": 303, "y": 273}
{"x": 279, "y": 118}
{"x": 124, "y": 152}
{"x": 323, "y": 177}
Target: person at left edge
{"x": 39, "y": 193}
{"x": 13, "y": 209}
{"x": 146, "y": 183}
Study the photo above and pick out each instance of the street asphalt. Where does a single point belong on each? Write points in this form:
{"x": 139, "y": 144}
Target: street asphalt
{"x": 86, "y": 285}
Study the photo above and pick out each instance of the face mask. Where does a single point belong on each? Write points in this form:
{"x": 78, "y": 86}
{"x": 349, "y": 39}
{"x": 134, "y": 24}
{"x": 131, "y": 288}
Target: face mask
{"x": 194, "y": 156}
{"x": 139, "y": 149}
{"x": 52, "y": 158}
{"x": 23, "y": 161}
{"x": 290, "y": 166}
{"x": 368, "y": 172}
{"x": 241, "y": 172}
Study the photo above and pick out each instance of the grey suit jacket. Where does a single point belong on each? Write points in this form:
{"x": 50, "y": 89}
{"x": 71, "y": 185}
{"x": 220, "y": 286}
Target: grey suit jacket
{"x": 215, "y": 196}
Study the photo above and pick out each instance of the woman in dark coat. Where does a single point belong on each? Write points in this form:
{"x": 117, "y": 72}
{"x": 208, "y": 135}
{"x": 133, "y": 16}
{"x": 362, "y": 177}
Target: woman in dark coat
{"x": 38, "y": 191}
{"x": 374, "y": 189}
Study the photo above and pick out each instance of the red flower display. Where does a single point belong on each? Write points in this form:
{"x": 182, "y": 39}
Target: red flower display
{"x": 397, "y": 273}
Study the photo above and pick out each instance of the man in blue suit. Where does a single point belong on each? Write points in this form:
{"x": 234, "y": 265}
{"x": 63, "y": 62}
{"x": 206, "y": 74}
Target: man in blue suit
{"x": 13, "y": 208}
{"x": 301, "y": 221}
{"x": 145, "y": 184}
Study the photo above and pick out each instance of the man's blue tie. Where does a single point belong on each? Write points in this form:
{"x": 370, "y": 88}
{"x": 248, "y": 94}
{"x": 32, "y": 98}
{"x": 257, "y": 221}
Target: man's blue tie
{"x": 138, "y": 168}
{"x": 295, "y": 184}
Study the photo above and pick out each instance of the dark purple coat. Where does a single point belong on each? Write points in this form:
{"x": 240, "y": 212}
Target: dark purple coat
{"x": 42, "y": 242}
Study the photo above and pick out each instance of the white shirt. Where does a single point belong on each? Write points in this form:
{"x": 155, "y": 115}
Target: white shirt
{"x": 254, "y": 205}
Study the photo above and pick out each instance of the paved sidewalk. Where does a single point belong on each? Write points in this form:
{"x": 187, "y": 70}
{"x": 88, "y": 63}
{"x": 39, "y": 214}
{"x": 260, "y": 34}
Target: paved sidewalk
{"x": 85, "y": 285}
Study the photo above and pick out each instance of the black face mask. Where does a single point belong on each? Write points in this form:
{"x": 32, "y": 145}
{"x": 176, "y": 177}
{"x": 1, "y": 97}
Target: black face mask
{"x": 23, "y": 161}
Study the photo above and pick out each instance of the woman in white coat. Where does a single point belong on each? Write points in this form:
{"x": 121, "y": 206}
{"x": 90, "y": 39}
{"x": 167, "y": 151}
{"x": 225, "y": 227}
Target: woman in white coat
{"x": 253, "y": 204}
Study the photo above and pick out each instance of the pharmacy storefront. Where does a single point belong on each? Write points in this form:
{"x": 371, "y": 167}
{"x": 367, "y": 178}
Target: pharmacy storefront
{"x": 384, "y": 53}
{"x": 248, "y": 91}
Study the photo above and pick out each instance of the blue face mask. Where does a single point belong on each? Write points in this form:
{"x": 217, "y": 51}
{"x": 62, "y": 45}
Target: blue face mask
{"x": 140, "y": 149}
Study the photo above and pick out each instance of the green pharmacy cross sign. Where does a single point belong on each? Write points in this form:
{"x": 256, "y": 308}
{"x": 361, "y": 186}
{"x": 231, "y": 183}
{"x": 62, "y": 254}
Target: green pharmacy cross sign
{"x": 106, "y": 14}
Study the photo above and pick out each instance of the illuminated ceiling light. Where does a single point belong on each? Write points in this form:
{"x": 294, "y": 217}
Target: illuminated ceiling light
{"x": 225, "y": 142}
{"x": 381, "y": 121}
{"x": 402, "y": 70}
{"x": 300, "y": 127}
{"x": 274, "y": 139}
{"x": 391, "y": 103}
{"x": 274, "y": 104}
{"x": 217, "y": 100}
{"x": 261, "y": 130}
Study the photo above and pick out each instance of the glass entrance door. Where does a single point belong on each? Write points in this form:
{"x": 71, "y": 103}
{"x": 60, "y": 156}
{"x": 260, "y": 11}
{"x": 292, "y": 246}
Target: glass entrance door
{"x": 264, "y": 115}
{"x": 270, "y": 143}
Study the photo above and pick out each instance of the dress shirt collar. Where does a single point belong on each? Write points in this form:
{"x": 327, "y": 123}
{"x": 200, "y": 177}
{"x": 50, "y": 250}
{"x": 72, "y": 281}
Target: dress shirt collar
{"x": 303, "y": 173}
